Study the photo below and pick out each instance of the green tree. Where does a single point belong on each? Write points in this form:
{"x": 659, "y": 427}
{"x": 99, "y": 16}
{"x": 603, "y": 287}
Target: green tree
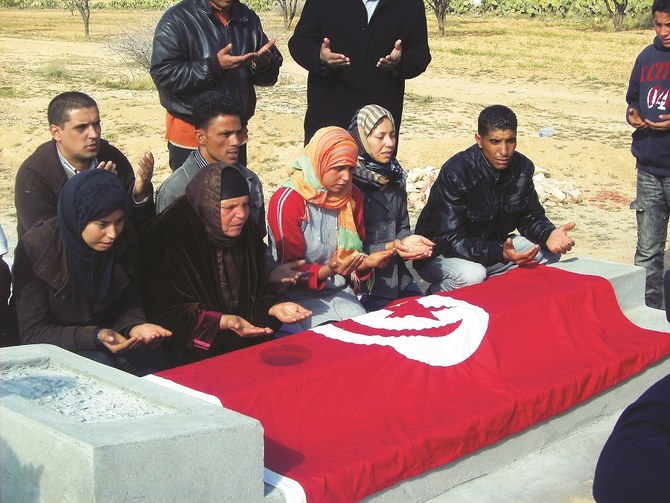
{"x": 617, "y": 11}
{"x": 288, "y": 8}
{"x": 439, "y": 8}
{"x": 85, "y": 11}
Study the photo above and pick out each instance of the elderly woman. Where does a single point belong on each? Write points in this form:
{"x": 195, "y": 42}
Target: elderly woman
{"x": 204, "y": 269}
{"x": 381, "y": 179}
{"x": 75, "y": 279}
{"x": 318, "y": 216}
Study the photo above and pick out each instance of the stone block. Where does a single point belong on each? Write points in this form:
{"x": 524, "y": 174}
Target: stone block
{"x": 74, "y": 430}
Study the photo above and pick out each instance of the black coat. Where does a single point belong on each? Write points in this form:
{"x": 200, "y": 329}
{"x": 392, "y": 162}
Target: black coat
{"x": 334, "y": 95}
{"x": 472, "y": 208}
{"x": 184, "y": 62}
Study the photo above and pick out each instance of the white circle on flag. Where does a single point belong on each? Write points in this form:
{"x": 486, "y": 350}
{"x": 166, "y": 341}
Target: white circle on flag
{"x": 436, "y": 315}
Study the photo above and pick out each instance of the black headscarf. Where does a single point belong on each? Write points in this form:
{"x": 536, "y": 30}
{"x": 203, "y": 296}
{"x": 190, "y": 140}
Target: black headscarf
{"x": 90, "y": 195}
{"x": 206, "y": 190}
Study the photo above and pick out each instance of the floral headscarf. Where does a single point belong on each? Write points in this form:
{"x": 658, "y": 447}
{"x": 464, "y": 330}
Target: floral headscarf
{"x": 328, "y": 148}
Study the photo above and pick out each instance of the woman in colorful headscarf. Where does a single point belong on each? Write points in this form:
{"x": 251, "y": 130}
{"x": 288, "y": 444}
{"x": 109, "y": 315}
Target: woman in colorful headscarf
{"x": 205, "y": 274}
{"x": 75, "y": 279}
{"x": 381, "y": 179}
{"x": 318, "y": 216}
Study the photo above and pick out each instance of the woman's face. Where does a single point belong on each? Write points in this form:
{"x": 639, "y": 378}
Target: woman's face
{"x": 101, "y": 234}
{"x": 337, "y": 180}
{"x": 382, "y": 141}
{"x": 234, "y": 214}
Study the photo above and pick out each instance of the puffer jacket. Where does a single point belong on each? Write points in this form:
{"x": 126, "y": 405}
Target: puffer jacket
{"x": 184, "y": 62}
{"x": 472, "y": 208}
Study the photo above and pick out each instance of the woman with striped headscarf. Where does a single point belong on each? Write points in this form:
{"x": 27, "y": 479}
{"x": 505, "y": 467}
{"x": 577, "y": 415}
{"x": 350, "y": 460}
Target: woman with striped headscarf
{"x": 317, "y": 215}
{"x": 381, "y": 179}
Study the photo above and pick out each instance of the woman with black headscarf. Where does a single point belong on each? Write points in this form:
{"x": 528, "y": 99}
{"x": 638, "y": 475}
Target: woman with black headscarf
{"x": 75, "y": 279}
{"x": 204, "y": 269}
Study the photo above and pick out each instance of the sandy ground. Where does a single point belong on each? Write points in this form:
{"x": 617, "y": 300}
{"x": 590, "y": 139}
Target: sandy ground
{"x": 590, "y": 147}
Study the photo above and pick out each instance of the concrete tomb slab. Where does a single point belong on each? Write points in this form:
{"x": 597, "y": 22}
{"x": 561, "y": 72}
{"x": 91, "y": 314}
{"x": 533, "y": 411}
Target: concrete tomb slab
{"x": 74, "y": 430}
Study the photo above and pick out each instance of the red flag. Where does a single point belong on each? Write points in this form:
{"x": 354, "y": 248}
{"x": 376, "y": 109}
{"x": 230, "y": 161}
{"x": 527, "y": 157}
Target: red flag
{"x": 348, "y": 419}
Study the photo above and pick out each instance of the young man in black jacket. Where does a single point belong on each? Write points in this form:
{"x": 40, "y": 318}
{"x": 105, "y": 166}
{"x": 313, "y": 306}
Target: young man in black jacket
{"x": 480, "y": 197}
{"x": 208, "y": 46}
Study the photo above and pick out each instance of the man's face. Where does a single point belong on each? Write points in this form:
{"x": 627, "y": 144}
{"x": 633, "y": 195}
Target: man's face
{"x": 222, "y": 139}
{"x": 79, "y": 138}
{"x": 662, "y": 27}
{"x": 224, "y": 5}
{"x": 498, "y": 145}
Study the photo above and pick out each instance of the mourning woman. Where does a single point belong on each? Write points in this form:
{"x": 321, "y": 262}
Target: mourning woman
{"x": 204, "y": 269}
{"x": 381, "y": 179}
{"x": 318, "y": 216}
{"x": 76, "y": 279}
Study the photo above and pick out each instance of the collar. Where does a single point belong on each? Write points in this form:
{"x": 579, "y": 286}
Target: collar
{"x": 69, "y": 169}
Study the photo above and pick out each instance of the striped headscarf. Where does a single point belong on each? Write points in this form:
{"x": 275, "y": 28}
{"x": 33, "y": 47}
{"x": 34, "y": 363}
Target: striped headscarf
{"x": 368, "y": 171}
{"x": 328, "y": 148}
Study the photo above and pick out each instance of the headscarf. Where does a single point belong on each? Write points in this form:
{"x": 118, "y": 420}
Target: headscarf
{"x": 88, "y": 196}
{"x": 328, "y": 148}
{"x": 206, "y": 190}
{"x": 368, "y": 171}
{"x": 238, "y": 272}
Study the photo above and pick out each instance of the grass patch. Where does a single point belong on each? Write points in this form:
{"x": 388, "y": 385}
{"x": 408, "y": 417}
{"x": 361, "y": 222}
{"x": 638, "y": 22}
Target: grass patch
{"x": 127, "y": 83}
{"x": 56, "y": 70}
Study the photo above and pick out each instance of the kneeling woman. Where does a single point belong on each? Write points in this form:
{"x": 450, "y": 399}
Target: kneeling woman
{"x": 204, "y": 269}
{"x": 76, "y": 279}
{"x": 381, "y": 179}
{"x": 318, "y": 216}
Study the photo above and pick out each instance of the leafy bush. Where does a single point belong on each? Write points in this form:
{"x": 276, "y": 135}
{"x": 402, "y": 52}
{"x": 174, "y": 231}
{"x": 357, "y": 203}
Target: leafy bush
{"x": 638, "y": 11}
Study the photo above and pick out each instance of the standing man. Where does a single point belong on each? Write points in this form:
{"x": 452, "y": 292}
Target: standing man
{"x": 358, "y": 52}
{"x": 199, "y": 46}
{"x": 480, "y": 197}
{"x": 648, "y": 112}
{"x": 76, "y": 145}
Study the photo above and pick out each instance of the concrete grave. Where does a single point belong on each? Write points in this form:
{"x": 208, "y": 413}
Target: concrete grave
{"x": 75, "y": 430}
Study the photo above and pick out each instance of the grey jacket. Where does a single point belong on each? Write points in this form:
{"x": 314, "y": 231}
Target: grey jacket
{"x": 175, "y": 186}
{"x": 386, "y": 219}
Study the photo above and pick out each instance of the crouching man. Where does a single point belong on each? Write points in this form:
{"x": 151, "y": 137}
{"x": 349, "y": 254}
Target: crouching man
{"x": 481, "y": 196}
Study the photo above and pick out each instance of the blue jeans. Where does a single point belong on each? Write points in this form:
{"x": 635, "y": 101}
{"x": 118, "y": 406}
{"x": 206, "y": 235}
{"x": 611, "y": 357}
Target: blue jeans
{"x": 446, "y": 274}
{"x": 652, "y": 206}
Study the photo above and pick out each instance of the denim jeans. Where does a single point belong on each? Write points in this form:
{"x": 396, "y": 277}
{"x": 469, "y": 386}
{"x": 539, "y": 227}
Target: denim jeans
{"x": 445, "y": 274}
{"x": 652, "y": 206}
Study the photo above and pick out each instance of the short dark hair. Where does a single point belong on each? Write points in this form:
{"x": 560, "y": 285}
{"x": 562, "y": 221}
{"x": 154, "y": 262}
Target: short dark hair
{"x": 660, "y": 6}
{"x": 212, "y": 104}
{"x": 59, "y": 109}
{"x": 496, "y": 117}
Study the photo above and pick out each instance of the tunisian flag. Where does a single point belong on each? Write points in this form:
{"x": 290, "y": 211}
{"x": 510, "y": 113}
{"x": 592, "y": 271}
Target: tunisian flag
{"x": 352, "y": 408}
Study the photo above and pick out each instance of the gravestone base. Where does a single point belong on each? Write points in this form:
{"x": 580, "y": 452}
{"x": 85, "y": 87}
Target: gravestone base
{"x": 74, "y": 430}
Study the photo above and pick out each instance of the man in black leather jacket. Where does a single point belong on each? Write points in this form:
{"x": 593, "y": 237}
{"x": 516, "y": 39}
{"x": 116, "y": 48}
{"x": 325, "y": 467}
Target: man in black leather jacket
{"x": 202, "y": 46}
{"x": 480, "y": 197}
